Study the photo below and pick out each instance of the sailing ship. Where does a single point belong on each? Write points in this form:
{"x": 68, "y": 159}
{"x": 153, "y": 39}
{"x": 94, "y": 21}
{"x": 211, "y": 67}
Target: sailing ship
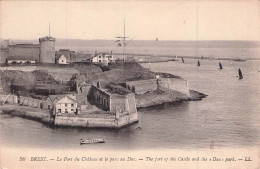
{"x": 220, "y": 66}
{"x": 240, "y": 75}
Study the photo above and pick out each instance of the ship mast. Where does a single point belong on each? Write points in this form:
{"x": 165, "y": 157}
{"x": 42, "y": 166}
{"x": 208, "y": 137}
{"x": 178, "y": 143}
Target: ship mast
{"x": 124, "y": 43}
{"x": 123, "y": 38}
{"x": 49, "y": 29}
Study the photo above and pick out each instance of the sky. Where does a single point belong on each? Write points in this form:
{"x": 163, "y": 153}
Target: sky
{"x": 144, "y": 20}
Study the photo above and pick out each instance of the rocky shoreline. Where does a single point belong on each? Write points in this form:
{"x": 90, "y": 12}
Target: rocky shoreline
{"x": 158, "y": 98}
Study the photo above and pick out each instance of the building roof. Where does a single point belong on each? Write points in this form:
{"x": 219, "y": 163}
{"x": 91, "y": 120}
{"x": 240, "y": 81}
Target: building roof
{"x": 28, "y": 57}
{"x": 61, "y": 57}
{"x": 65, "y": 52}
{"x": 55, "y": 98}
{"x": 46, "y": 38}
{"x": 101, "y": 53}
{"x": 24, "y": 45}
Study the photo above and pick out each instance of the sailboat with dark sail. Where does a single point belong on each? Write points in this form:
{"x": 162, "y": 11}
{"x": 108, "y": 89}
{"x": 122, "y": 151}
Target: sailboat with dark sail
{"x": 240, "y": 75}
{"x": 220, "y": 65}
{"x": 198, "y": 63}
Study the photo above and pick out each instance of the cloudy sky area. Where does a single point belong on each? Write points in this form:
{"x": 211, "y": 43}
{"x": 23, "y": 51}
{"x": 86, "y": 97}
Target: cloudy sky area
{"x": 145, "y": 20}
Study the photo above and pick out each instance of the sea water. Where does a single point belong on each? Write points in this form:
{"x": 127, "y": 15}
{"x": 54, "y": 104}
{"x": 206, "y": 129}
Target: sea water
{"x": 227, "y": 117}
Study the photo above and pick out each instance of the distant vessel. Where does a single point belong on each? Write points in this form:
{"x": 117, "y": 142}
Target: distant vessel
{"x": 198, "y": 63}
{"x": 220, "y": 66}
{"x": 91, "y": 141}
{"x": 240, "y": 74}
{"x": 239, "y": 60}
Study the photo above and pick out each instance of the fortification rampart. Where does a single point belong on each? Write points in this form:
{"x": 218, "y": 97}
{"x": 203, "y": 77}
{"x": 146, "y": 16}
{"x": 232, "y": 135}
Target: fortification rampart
{"x": 175, "y": 84}
{"x": 141, "y": 86}
{"x": 170, "y": 84}
{"x": 114, "y": 103}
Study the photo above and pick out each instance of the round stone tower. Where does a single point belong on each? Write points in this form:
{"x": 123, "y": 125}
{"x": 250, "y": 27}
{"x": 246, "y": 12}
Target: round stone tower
{"x": 47, "y": 49}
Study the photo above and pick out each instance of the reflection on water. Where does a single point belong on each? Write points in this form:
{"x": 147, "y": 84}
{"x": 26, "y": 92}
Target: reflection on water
{"x": 228, "y": 117}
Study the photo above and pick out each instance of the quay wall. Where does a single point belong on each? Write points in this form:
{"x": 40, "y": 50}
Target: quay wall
{"x": 126, "y": 120}
{"x": 33, "y": 115}
{"x": 108, "y": 122}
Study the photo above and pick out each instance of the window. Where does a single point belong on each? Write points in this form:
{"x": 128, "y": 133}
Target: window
{"x": 49, "y": 107}
{"x": 72, "y": 105}
{"x": 72, "y": 110}
{"x": 99, "y": 56}
{"x": 66, "y": 104}
{"x": 66, "y": 111}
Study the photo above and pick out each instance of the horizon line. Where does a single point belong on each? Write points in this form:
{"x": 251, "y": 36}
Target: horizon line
{"x": 134, "y": 40}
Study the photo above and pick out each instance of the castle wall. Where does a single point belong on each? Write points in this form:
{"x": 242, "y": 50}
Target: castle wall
{"x": 175, "y": 84}
{"x": 117, "y": 104}
{"x": 10, "y": 99}
{"x": 130, "y": 103}
{"x": 113, "y": 102}
{"x": 27, "y": 101}
{"x": 84, "y": 89}
{"x": 24, "y": 52}
{"x": 101, "y": 98}
{"x": 143, "y": 86}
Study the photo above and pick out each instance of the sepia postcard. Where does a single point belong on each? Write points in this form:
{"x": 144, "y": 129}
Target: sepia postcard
{"x": 130, "y": 84}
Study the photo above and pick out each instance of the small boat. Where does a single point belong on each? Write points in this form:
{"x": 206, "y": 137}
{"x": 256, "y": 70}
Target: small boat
{"x": 239, "y": 60}
{"x": 220, "y": 66}
{"x": 240, "y": 74}
{"x": 198, "y": 63}
{"x": 91, "y": 141}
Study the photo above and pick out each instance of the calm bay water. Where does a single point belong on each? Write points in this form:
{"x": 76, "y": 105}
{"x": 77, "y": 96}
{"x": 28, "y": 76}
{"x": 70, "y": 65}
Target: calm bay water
{"x": 228, "y": 117}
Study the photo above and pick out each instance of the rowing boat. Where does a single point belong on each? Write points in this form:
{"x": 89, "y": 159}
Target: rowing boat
{"x": 91, "y": 141}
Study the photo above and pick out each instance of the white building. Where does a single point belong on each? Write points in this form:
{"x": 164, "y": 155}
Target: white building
{"x": 62, "y": 60}
{"x": 102, "y": 57}
{"x": 64, "y": 104}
